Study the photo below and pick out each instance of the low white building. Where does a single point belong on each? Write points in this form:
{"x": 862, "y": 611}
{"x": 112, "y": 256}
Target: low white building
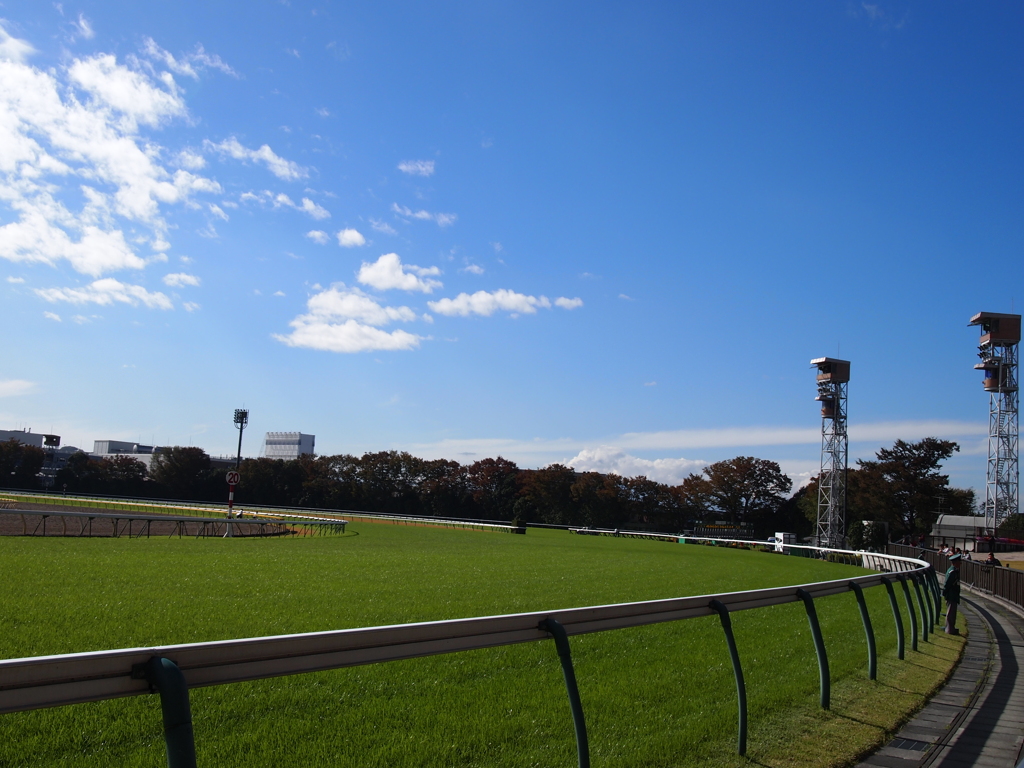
{"x": 288, "y": 445}
{"x": 958, "y": 531}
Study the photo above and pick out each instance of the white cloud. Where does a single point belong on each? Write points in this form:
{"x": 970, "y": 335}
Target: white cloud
{"x": 190, "y": 306}
{"x": 193, "y": 161}
{"x": 283, "y": 169}
{"x": 389, "y": 273}
{"x": 417, "y": 167}
{"x": 473, "y": 269}
{"x": 442, "y": 219}
{"x": 188, "y": 63}
{"x": 217, "y": 211}
{"x": 16, "y": 280}
{"x": 180, "y": 280}
{"x": 350, "y": 238}
{"x": 74, "y": 133}
{"x": 52, "y": 316}
{"x": 83, "y": 27}
{"x": 342, "y": 319}
{"x": 318, "y": 236}
{"x": 13, "y": 49}
{"x": 105, "y": 292}
{"x": 323, "y": 111}
{"x": 279, "y": 293}
{"x": 610, "y": 460}
{"x": 565, "y": 303}
{"x": 129, "y": 92}
{"x": 383, "y": 226}
{"x": 487, "y": 303}
{"x": 16, "y": 387}
{"x": 314, "y": 210}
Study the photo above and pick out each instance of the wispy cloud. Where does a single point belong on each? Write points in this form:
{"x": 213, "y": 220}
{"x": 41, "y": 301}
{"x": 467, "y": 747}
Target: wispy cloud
{"x": 565, "y": 303}
{"x": 180, "y": 280}
{"x": 611, "y": 460}
{"x": 13, "y": 49}
{"x": 318, "y": 236}
{"x": 277, "y": 165}
{"x": 417, "y": 167}
{"x": 441, "y": 219}
{"x": 383, "y": 226}
{"x": 83, "y": 28}
{"x": 486, "y": 303}
{"x": 188, "y": 64}
{"x": 105, "y": 292}
{"x": 16, "y": 387}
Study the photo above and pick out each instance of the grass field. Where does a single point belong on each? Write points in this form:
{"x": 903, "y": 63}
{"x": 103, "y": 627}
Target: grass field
{"x": 654, "y": 696}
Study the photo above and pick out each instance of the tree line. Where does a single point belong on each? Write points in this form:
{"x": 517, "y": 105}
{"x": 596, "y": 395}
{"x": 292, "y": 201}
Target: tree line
{"x": 903, "y": 486}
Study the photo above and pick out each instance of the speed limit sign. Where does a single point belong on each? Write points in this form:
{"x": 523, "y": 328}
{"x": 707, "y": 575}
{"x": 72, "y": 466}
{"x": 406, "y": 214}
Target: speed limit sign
{"x": 233, "y": 477}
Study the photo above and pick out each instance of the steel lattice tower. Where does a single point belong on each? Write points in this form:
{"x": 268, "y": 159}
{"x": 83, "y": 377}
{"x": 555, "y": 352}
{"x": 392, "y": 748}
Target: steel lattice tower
{"x": 997, "y": 348}
{"x": 833, "y": 380}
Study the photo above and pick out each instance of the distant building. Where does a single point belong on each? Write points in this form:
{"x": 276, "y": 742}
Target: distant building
{"x": 111, "y": 447}
{"x": 28, "y": 437}
{"x": 288, "y": 445}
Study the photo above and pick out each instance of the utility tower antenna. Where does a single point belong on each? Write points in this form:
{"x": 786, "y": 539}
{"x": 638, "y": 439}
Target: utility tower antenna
{"x": 833, "y": 380}
{"x": 997, "y": 348}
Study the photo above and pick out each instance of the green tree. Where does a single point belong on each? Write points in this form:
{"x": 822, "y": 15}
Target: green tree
{"x": 747, "y": 490}
{"x": 902, "y": 484}
{"x": 182, "y": 472}
{"x": 20, "y": 465}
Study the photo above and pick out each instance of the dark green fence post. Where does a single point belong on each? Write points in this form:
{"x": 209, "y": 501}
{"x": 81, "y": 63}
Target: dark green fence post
{"x": 933, "y": 579}
{"x": 900, "y": 639}
{"x": 819, "y": 647}
{"x": 557, "y": 631}
{"x": 926, "y": 613}
{"x": 869, "y": 633}
{"x": 741, "y": 688}
{"x": 911, "y": 611}
{"x": 166, "y": 679}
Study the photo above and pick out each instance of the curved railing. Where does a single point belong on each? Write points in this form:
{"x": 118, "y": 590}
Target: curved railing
{"x": 50, "y": 681}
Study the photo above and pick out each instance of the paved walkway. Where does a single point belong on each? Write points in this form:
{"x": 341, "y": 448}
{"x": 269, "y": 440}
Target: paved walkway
{"x": 977, "y": 719}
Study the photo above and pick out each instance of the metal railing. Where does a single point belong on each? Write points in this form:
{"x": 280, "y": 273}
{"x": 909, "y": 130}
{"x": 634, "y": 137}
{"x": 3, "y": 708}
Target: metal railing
{"x": 205, "y": 508}
{"x": 1004, "y": 583}
{"x": 51, "y": 681}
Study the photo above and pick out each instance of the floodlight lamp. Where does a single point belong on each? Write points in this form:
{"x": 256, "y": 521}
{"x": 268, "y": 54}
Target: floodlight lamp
{"x": 241, "y": 418}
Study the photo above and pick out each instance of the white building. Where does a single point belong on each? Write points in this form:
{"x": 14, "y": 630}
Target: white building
{"x": 288, "y": 445}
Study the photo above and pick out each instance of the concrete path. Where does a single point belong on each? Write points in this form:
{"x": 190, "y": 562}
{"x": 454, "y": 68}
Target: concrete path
{"x": 977, "y": 719}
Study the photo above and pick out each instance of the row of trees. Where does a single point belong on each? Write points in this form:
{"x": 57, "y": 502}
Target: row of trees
{"x": 902, "y": 486}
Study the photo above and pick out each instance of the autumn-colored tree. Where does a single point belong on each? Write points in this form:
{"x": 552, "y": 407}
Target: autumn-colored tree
{"x": 493, "y": 487}
{"x": 747, "y": 490}
{"x": 182, "y": 472}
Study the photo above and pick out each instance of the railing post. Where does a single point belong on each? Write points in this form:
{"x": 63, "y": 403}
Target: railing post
{"x": 911, "y": 611}
{"x": 869, "y": 633}
{"x": 166, "y": 679}
{"x": 936, "y": 594}
{"x": 741, "y": 688}
{"x": 900, "y": 640}
{"x": 926, "y": 616}
{"x": 819, "y": 647}
{"x": 557, "y": 631}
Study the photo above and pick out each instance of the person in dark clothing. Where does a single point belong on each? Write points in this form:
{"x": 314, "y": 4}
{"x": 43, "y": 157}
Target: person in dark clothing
{"x": 992, "y": 559}
{"x": 951, "y": 591}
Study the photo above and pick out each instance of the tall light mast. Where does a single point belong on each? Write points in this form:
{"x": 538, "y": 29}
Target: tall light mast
{"x": 833, "y": 380}
{"x": 997, "y": 348}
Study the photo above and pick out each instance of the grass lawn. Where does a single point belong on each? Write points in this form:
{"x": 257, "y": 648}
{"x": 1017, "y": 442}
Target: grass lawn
{"x": 654, "y": 696}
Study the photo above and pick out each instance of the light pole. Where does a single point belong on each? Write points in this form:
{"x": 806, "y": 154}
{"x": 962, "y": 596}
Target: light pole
{"x": 241, "y": 422}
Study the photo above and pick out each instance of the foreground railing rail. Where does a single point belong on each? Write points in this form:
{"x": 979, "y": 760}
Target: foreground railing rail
{"x": 50, "y": 681}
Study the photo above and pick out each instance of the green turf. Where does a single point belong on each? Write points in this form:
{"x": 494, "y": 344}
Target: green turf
{"x": 654, "y": 696}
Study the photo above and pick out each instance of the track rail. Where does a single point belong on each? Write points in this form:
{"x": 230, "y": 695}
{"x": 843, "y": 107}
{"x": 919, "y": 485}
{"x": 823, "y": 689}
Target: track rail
{"x": 50, "y": 681}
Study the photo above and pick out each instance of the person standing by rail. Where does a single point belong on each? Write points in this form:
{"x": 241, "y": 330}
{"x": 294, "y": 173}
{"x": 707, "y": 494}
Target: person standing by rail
{"x": 951, "y": 591}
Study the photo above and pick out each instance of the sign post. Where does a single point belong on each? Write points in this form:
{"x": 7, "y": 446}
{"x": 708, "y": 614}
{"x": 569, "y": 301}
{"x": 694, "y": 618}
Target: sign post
{"x": 232, "y": 477}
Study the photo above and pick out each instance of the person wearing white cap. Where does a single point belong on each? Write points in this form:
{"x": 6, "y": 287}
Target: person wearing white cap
{"x": 951, "y": 591}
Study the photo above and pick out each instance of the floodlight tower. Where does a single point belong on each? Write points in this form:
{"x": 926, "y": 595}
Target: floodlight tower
{"x": 241, "y": 421}
{"x": 833, "y": 380}
{"x": 997, "y": 348}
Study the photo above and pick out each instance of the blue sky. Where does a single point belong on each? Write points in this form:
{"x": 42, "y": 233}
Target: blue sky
{"x": 606, "y": 234}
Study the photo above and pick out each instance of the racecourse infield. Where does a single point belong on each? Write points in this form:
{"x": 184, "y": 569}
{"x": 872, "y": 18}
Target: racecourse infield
{"x": 661, "y": 695}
